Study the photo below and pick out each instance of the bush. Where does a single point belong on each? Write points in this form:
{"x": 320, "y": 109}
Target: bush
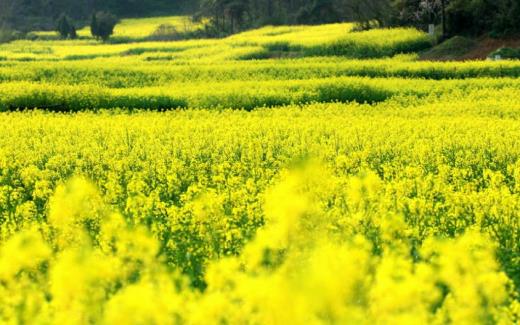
{"x": 165, "y": 32}
{"x": 7, "y": 35}
{"x": 506, "y": 53}
{"x": 102, "y": 25}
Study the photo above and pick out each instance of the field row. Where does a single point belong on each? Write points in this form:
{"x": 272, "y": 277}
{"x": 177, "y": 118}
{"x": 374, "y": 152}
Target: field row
{"x": 248, "y": 95}
{"x": 323, "y": 40}
{"x": 132, "y": 72}
{"x": 131, "y": 29}
{"x": 261, "y": 209}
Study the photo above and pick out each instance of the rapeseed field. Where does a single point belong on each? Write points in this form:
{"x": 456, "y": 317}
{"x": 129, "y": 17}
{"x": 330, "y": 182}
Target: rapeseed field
{"x": 285, "y": 175}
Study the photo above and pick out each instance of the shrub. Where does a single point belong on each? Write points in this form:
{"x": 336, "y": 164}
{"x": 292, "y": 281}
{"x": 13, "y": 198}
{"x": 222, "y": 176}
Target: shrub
{"x": 102, "y": 25}
{"x": 506, "y": 53}
{"x": 7, "y": 35}
{"x": 165, "y": 32}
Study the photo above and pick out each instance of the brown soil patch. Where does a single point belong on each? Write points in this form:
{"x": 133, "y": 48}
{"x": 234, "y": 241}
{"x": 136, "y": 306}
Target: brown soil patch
{"x": 480, "y": 49}
{"x": 488, "y": 45}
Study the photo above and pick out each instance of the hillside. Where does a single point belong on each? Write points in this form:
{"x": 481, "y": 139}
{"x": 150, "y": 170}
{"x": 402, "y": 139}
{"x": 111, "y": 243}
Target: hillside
{"x": 461, "y": 48}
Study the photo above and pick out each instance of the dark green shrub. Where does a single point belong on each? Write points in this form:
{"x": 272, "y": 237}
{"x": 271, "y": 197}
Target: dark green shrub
{"x": 506, "y": 53}
{"x": 8, "y": 35}
{"x": 165, "y": 32}
{"x": 102, "y": 25}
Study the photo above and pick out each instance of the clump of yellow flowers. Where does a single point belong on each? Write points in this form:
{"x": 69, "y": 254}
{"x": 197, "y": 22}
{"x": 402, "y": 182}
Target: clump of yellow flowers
{"x": 87, "y": 264}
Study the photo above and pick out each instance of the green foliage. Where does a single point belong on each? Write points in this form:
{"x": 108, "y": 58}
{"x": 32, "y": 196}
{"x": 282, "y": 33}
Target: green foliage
{"x": 102, "y": 25}
{"x": 506, "y": 21}
{"x": 165, "y": 32}
{"x": 225, "y": 16}
{"x": 477, "y": 17}
{"x": 41, "y": 15}
{"x": 461, "y": 16}
{"x": 66, "y": 28}
{"x": 7, "y": 35}
{"x": 506, "y": 53}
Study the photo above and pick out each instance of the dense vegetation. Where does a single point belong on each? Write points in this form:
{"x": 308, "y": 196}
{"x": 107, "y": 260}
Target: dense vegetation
{"x": 283, "y": 175}
{"x": 229, "y": 16}
{"x": 498, "y": 17}
{"x": 35, "y": 15}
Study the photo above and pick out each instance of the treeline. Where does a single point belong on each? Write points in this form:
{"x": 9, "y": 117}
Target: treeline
{"x": 26, "y": 15}
{"x": 500, "y": 17}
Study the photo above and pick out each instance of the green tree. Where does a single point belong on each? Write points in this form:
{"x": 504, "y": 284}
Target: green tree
{"x": 94, "y": 26}
{"x": 507, "y": 20}
{"x": 73, "y": 34}
{"x": 368, "y": 12}
{"x": 63, "y": 26}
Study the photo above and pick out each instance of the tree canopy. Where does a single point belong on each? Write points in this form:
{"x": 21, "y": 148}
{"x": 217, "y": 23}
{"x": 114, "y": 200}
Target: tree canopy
{"x": 460, "y": 16}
